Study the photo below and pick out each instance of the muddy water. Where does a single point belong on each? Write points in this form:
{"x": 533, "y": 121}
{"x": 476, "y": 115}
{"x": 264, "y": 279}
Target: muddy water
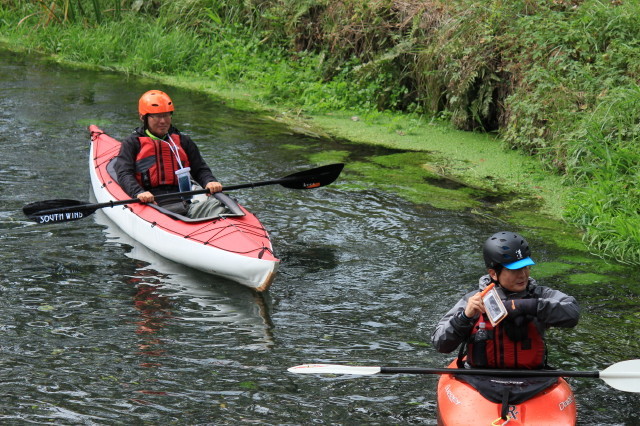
{"x": 97, "y": 330}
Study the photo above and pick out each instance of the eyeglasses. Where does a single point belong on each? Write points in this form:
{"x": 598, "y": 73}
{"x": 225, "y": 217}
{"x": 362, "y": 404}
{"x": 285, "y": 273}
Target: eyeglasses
{"x": 159, "y": 116}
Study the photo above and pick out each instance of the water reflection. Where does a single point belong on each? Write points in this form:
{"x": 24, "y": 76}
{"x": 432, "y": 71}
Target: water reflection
{"x": 155, "y": 310}
{"x": 166, "y": 290}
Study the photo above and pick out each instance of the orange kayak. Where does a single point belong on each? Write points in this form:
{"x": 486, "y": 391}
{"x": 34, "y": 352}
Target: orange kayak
{"x": 459, "y": 403}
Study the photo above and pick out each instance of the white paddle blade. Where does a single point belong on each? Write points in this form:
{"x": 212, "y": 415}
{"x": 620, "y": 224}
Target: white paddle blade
{"x": 333, "y": 369}
{"x": 624, "y": 375}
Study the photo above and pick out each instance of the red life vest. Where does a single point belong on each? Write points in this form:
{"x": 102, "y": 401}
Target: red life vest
{"x": 156, "y": 163}
{"x": 500, "y": 351}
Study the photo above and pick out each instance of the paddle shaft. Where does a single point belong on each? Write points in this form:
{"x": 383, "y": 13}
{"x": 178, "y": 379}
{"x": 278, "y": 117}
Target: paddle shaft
{"x": 489, "y": 372}
{"x": 171, "y": 195}
{"x": 94, "y": 207}
{"x": 176, "y": 195}
{"x": 65, "y": 210}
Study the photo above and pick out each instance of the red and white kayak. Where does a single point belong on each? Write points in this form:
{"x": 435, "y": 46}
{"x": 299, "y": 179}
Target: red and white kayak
{"x": 236, "y": 247}
{"x": 461, "y": 404}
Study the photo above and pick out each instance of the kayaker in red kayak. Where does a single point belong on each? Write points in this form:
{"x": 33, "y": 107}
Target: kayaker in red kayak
{"x": 158, "y": 159}
{"x": 518, "y": 340}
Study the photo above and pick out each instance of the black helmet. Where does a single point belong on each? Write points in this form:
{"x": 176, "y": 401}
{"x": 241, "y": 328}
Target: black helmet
{"x": 507, "y": 249}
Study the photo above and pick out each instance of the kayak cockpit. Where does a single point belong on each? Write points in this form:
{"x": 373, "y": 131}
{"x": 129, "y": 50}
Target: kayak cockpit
{"x": 230, "y": 209}
{"x": 228, "y": 206}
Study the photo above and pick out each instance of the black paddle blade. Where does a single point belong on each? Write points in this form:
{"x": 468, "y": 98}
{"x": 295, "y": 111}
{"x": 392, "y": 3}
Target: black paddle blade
{"x": 54, "y": 211}
{"x": 313, "y": 178}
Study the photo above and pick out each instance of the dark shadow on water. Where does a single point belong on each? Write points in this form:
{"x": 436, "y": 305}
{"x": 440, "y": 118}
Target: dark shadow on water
{"x": 313, "y": 258}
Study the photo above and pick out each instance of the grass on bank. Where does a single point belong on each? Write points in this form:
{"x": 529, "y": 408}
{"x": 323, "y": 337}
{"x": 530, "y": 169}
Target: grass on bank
{"x": 556, "y": 79}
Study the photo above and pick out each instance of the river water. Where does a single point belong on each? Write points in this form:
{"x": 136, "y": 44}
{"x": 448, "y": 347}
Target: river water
{"x": 94, "y": 329}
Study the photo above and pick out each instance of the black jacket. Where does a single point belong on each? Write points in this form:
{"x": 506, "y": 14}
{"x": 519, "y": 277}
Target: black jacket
{"x": 126, "y": 164}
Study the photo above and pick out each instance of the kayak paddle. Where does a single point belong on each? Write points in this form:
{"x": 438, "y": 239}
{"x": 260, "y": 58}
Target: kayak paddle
{"x": 64, "y": 210}
{"x": 624, "y": 375}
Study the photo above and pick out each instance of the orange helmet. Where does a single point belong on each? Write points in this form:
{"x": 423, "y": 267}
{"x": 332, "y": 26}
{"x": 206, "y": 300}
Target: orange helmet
{"x": 154, "y": 101}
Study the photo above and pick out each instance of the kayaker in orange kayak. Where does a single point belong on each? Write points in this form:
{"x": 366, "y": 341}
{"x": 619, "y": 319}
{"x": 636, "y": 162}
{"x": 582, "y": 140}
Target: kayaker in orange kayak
{"x": 518, "y": 340}
{"x": 158, "y": 159}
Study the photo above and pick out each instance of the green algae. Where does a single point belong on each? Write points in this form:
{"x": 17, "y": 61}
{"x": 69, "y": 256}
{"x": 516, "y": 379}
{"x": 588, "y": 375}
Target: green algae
{"x": 577, "y": 259}
{"x": 292, "y": 147}
{"x": 455, "y": 170}
{"x": 402, "y": 174}
{"x": 550, "y": 269}
{"x": 329, "y": 157}
{"x": 478, "y": 160}
{"x": 588, "y": 279}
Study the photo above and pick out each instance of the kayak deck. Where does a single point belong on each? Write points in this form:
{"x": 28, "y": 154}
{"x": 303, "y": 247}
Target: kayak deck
{"x": 458, "y": 403}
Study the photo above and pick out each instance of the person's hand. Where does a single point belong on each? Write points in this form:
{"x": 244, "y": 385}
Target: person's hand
{"x": 475, "y": 306}
{"x": 519, "y": 307}
{"x": 214, "y": 187}
{"x": 145, "y": 197}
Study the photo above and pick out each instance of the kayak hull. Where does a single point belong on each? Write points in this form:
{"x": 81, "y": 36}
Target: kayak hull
{"x": 237, "y": 248}
{"x": 458, "y": 403}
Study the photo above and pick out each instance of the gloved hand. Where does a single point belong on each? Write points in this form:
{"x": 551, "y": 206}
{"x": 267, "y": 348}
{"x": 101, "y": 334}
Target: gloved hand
{"x": 519, "y": 307}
